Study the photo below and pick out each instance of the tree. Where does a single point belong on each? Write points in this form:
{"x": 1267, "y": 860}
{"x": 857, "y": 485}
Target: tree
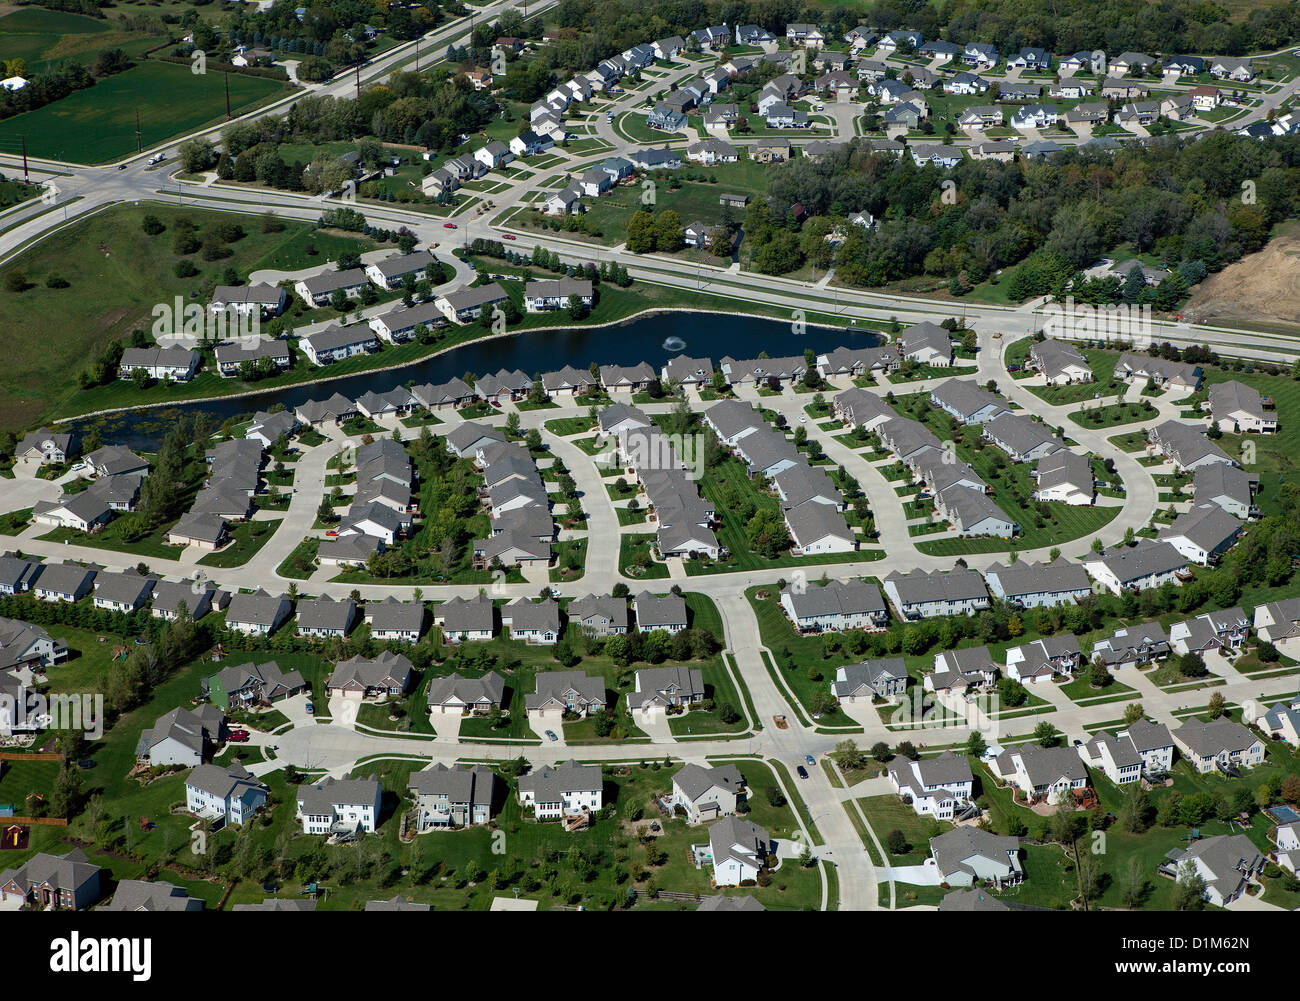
{"x": 849, "y": 757}
{"x": 1216, "y": 706}
{"x": 1046, "y": 734}
{"x": 1133, "y": 884}
{"x": 896, "y": 842}
{"x": 1190, "y": 892}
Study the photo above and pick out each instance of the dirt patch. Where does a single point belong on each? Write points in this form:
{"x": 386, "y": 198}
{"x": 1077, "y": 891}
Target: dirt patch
{"x": 1263, "y": 287}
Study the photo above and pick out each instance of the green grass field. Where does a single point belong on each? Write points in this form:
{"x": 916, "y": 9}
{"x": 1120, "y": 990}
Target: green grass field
{"x": 98, "y": 124}
{"x": 117, "y": 274}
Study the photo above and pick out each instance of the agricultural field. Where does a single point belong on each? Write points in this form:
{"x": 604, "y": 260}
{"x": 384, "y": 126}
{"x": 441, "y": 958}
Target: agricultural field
{"x": 44, "y": 38}
{"x": 98, "y": 124}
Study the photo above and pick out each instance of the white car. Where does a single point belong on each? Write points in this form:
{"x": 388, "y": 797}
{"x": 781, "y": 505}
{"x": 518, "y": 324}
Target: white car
{"x": 803, "y": 419}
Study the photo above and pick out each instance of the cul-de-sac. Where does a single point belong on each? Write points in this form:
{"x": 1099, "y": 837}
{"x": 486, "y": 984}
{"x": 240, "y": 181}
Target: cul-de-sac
{"x": 611, "y": 456}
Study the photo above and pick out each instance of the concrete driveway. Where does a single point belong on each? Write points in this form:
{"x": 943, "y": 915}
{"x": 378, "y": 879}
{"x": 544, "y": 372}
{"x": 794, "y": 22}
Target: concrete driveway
{"x": 655, "y": 724}
{"x": 540, "y": 722}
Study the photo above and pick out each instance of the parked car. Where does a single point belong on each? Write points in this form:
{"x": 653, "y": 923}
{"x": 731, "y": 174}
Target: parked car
{"x": 448, "y": 225}
{"x": 331, "y": 533}
{"x": 507, "y": 236}
{"x": 550, "y": 735}
{"x": 1013, "y": 368}
{"x": 802, "y": 772}
{"x": 810, "y": 759}
{"x": 238, "y": 738}
{"x": 311, "y": 707}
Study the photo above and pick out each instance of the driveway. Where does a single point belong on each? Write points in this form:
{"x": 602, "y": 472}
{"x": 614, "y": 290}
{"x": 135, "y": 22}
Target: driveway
{"x": 343, "y": 710}
{"x": 540, "y": 722}
{"x": 655, "y": 724}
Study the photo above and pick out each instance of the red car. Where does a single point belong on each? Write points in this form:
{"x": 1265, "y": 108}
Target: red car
{"x": 506, "y": 236}
{"x": 238, "y": 737}
{"x": 331, "y": 533}
{"x": 448, "y": 225}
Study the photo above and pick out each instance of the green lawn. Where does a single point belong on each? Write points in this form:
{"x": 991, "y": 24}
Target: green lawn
{"x": 247, "y": 538}
{"x": 889, "y": 813}
{"x": 98, "y": 124}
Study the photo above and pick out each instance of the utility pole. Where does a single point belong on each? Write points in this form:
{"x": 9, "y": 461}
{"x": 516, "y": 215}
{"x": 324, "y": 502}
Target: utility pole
{"x": 417, "y": 55}
{"x": 358, "y": 80}
{"x": 26, "y": 177}
{"x": 139, "y": 139}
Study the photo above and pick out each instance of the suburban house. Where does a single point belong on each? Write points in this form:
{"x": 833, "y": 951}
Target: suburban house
{"x": 1059, "y": 363}
{"x": 468, "y": 304}
{"x": 462, "y": 696}
{"x": 391, "y": 272}
{"x": 225, "y": 793}
{"x": 1230, "y": 487}
{"x": 46, "y": 446}
{"x": 259, "y": 613}
{"x": 459, "y": 796}
{"x": 1132, "y": 646}
{"x": 152, "y": 896}
{"x": 181, "y": 737}
{"x": 738, "y": 851}
{"x": 1144, "y": 750}
{"x": 251, "y": 685}
{"x": 1025, "y": 584}
{"x": 560, "y": 692}
{"x": 176, "y": 363}
{"x": 653, "y": 612}
{"x": 1226, "y": 863}
{"x": 64, "y": 582}
{"x": 325, "y": 617}
{"x": 560, "y": 791}
{"x": 661, "y": 688}
{"x": 53, "y": 882}
{"x": 1282, "y": 722}
{"x": 1202, "y": 534}
{"x": 532, "y": 621}
{"x": 386, "y": 675}
{"x": 922, "y": 595}
{"x": 1278, "y": 621}
{"x": 926, "y": 343}
{"x": 1220, "y": 744}
{"x": 344, "y": 806}
{"x": 335, "y": 343}
{"x": 466, "y": 619}
{"x": 968, "y": 855}
{"x": 599, "y": 616}
{"x": 391, "y": 620}
{"x": 1067, "y": 477}
{"x": 1043, "y": 774}
{"x": 122, "y": 592}
{"x": 544, "y": 296}
{"x": 1044, "y": 659}
{"x": 1165, "y": 374}
{"x": 870, "y": 680}
{"x": 1239, "y": 409}
{"x": 1148, "y": 564}
{"x": 938, "y": 787}
{"x": 319, "y": 289}
{"x": 836, "y": 606}
{"x": 706, "y": 794}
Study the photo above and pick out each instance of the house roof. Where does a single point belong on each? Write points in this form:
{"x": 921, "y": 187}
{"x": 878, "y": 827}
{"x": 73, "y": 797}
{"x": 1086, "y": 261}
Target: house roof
{"x": 653, "y": 612}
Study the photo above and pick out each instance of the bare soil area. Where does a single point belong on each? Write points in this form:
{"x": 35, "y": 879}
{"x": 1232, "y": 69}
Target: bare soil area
{"x": 1262, "y": 288}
